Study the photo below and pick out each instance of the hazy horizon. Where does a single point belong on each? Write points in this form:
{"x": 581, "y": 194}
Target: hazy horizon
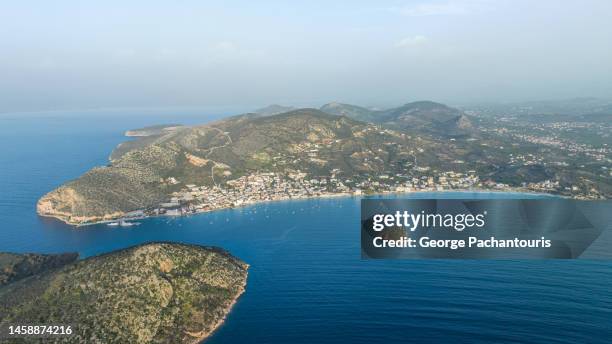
{"x": 68, "y": 55}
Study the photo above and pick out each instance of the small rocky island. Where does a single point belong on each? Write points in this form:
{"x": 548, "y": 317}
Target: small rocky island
{"x": 152, "y": 293}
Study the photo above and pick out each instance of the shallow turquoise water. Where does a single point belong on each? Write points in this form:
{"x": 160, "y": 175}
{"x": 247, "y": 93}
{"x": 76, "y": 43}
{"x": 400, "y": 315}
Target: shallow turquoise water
{"x": 307, "y": 282}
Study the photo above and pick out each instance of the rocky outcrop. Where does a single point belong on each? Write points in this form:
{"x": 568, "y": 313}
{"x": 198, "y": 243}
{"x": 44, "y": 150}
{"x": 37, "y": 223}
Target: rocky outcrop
{"x": 65, "y": 204}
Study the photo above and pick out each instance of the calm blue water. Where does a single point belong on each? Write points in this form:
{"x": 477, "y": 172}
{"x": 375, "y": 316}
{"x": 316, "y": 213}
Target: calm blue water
{"x": 307, "y": 283}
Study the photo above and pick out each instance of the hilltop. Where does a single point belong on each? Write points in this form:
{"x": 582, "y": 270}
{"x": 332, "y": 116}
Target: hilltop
{"x": 353, "y": 111}
{"x": 274, "y": 109}
{"x": 425, "y": 117}
{"x": 152, "y": 293}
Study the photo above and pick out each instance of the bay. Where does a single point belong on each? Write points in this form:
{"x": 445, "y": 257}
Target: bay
{"x": 307, "y": 282}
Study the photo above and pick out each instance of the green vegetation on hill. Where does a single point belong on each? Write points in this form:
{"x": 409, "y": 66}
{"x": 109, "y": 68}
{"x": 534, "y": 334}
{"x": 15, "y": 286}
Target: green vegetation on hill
{"x": 152, "y": 293}
{"x": 204, "y": 155}
{"x": 353, "y": 111}
{"x": 425, "y": 117}
{"x": 14, "y": 267}
{"x": 274, "y": 109}
{"x": 415, "y": 144}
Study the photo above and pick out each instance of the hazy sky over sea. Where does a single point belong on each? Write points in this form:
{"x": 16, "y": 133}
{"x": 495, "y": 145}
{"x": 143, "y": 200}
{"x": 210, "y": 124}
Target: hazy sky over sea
{"x": 86, "y": 54}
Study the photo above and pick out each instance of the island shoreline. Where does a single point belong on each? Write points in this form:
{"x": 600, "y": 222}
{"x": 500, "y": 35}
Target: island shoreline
{"x": 205, "y": 336}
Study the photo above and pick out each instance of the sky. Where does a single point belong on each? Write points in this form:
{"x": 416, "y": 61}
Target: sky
{"x": 60, "y": 55}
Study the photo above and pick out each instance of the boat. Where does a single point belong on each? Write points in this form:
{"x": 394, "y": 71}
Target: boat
{"x": 124, "y": 223}
{"x": 113, "y": 224}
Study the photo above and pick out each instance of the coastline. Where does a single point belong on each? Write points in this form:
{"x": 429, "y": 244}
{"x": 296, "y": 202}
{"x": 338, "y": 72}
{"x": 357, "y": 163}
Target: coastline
{"x": 330, "y": 195}
{"x": 202, "y": 336}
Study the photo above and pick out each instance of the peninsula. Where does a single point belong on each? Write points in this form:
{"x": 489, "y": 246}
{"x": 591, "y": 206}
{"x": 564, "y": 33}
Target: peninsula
{"x": 151, "y": 293}
{"x": 339, "y": 149}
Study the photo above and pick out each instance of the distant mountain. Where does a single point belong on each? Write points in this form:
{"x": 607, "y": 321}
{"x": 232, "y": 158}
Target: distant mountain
{"x": 152, "y": 293}
{"x": 357, "y": 112}
{"x": 422, "y": 116}
{"x": 427, "y": 116}
{"x": 152, "y": 130}
{"x": 274, "y": 109}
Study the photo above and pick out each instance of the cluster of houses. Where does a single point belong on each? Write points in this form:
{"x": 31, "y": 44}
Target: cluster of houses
{"x": 262, "y": 187}
{"x": 253, "y": 188}
{"x": 269, "y": 186}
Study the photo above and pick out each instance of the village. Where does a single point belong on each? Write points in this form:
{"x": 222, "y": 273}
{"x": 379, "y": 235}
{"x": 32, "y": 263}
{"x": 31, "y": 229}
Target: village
{"x": 269, "y": 186}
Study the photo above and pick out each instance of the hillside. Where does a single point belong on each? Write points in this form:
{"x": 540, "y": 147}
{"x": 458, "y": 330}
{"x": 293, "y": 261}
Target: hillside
{"x": 14, "y": 267}
{"x": 153, "y": 293}
{"x": 274, "y": 109}
{"x": 419, "y": 117}
{"x": 353, "y": 111}
{"x": 429, "y": 117}
{"x": 305, "y": 140}
{"x": 301, "y": 153}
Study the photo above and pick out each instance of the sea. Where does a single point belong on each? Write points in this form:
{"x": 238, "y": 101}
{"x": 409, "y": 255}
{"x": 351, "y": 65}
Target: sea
{"x": 307, "y": 281}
